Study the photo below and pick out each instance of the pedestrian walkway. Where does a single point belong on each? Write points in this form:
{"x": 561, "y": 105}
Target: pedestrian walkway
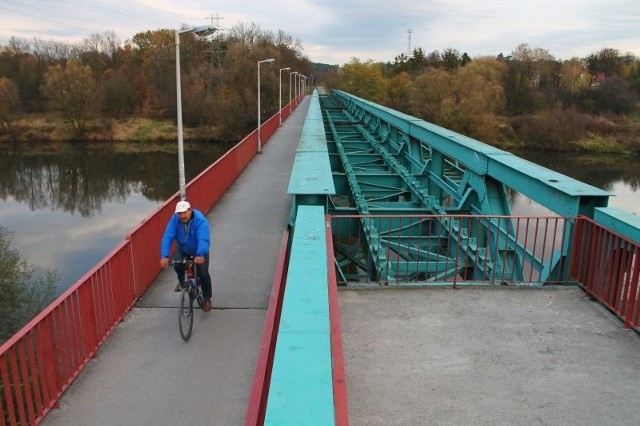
{"x": 144, "y": 374}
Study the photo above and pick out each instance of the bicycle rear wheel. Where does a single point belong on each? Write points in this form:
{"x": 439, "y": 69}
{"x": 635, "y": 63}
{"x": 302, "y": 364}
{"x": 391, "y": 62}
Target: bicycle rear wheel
{"x": 185, "y": 318}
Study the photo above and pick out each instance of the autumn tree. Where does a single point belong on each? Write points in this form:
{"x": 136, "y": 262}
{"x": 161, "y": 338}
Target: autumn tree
{"x": 155, "y": 59}
{"x": 399, "y": 92}
{"x": 364, "y": 79}
{"x": 479, "y": 99}
{"x": 119, "y": 97}
{"x": 71, "y": 90}
{"x": 10, "y": 104}
{"x": 428, "y": 95}
{"x": 574, "y": 76}
{"x": 607, "y": 61}
{"x": 469, "y": 100}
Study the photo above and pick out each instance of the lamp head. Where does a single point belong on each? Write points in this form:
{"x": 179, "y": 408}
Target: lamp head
{"x": 204, "y": 30}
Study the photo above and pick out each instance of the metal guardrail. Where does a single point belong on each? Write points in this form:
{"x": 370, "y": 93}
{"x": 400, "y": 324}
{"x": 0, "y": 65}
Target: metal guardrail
{"x": 450, "y": 249}
{"x": 41, "y": 360}
{"x": 490, "y": 250}
{"x": 607, "y": 266}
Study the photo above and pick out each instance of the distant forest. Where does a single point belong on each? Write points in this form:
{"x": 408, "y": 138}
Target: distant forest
{"x": 107, "y": 78}
{"x": 526, "y": 98}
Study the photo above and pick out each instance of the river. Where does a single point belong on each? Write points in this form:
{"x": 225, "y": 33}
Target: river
{"x": 69, "y": 205}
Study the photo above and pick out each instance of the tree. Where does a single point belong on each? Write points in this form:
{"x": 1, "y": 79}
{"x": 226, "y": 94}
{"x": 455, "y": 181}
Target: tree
{"x": 398, "y": 92}
{"x": 72, "y": 91}
{"x": 574, "y": 76}
{"x": 607, "y": 61}
{"x": 428, "y": 94}
{"x": 469, "y": 100}
{"x": 614, "y": 95}
{"x": 364, "y": 80}
{"x": 23, "y": 292}
{"x": 479, "y": 99}
{"x": 10, "y": 102}
{"x": 119, "y": 97}
{"x": 452, "y": 59}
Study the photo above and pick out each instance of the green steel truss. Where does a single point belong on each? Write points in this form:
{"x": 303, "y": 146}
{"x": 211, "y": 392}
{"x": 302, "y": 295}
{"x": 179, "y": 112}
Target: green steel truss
{"x": 390, "y": 164}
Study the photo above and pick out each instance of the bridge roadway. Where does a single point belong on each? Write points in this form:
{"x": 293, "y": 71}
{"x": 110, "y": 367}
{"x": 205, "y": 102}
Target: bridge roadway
{"x": 476, "y": 356}
{"x": 145, "y": 374}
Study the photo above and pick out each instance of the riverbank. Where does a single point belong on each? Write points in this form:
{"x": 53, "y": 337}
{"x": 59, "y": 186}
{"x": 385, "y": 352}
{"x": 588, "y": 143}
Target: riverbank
{"x": 51, "y": 128}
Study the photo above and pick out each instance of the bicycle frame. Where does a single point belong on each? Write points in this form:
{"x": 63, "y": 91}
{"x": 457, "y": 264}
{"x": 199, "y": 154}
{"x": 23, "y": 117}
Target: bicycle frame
{"x": 190, "y": 292}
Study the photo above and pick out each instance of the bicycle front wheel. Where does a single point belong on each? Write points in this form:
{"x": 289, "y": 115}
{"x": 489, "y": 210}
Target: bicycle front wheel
{"x": 185, "y": 318}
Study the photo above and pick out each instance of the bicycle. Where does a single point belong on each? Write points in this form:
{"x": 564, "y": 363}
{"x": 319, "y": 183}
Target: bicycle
{"x": 191, "y": 291}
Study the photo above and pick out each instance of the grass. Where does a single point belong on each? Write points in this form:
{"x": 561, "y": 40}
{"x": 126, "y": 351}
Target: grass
{"x": 52, "y": 128}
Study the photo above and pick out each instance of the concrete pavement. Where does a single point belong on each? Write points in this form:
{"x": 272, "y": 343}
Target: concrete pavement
{"x": 144, "y": 374}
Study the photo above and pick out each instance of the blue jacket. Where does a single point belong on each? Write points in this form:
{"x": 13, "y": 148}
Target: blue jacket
{"x": 194, "y": 243}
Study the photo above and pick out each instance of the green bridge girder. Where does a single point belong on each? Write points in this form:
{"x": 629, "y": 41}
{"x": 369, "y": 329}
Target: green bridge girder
{"x": 387, "y": 163}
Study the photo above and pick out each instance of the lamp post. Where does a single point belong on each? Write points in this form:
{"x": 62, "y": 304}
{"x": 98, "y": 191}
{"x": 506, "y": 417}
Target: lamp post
{"x": 291, "y": 75}
{"x": 265, "y": 61}
{"x": 280, "y": 92}
{"x": 299, "y": 88}
{"x": 203, "y": 31}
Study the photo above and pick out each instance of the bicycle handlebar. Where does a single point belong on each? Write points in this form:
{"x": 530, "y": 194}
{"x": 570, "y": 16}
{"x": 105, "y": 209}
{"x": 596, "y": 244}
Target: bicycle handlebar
{"x": 184, "y": 261}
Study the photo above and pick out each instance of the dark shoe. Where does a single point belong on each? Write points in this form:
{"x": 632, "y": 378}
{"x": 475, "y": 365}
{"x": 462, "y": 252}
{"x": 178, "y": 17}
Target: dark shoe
{"x": 178, "y": 288}
{"x": 207, "y": 305}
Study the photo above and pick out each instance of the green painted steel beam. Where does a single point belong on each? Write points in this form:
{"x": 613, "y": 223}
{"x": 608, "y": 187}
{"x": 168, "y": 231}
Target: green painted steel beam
{"x": 623, "y": 222}
{"x": 311, "y": 180}
{"x": 301, "y": 391}
{"x": 557, "y": 192}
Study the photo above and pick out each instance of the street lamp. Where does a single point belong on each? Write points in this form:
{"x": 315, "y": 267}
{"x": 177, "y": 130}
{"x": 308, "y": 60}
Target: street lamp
{"x": 203, "y": 31}
{"x": 290, "y": 75}
{"x": 280, "y": 92}
{"x": 265, "y": 61}
{"x": 299, "y": 86}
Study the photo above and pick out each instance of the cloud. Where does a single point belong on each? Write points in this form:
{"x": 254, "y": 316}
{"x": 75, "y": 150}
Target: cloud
{"x": 334, "y": 31}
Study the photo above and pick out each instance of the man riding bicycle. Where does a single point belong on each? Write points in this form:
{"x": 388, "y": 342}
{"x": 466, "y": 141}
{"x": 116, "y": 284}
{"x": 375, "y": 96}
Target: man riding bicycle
{"x": 190, "y": 229}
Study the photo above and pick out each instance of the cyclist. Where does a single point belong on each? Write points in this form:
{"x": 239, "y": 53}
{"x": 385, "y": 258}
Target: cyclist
{"x": 190, "y": 229}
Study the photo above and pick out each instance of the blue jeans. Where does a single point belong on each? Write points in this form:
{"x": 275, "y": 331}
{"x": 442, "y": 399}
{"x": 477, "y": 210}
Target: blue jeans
{"x": 203, "y": 272}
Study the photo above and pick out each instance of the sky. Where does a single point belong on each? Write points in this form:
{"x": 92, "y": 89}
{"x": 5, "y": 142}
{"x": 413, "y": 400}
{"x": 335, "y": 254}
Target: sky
{"x": 335, "y": 31}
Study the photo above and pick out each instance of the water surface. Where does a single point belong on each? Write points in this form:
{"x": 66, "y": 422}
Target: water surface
{"x": 69, "y": 205}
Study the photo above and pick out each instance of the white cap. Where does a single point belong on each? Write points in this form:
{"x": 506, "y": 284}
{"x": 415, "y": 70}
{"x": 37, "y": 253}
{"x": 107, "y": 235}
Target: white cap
{"x": 182, "y": 206}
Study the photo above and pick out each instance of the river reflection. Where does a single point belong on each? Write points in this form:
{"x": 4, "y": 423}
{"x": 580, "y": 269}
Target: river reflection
{"x": 70, "y": 205}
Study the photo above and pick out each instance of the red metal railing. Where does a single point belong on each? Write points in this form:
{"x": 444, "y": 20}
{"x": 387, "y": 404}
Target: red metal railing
{"x": 491, "y": 250}
{"x": 339, "y": 377}
{"x": 607, "y": 266}
{"x": 40, "y": 361}
{"x": 256, "y": 409}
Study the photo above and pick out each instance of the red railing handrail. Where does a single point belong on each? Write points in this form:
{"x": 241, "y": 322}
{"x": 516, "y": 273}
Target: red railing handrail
{"x": 256, "y": 408}
{"x": 606, "y": 264}
{"x": 339, "y": 377}
{"x": 43, "y": 358}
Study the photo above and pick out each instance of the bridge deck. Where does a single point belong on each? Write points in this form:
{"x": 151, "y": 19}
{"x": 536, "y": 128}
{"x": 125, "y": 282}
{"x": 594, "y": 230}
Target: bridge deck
{"x": 145, "y": 374}
{"x": 487, "y": 356}
{"x": 412, "y": 356}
